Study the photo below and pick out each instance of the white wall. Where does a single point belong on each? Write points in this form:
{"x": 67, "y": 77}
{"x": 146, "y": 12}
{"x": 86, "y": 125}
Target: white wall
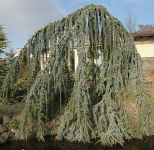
{"x": 145, "y": 49}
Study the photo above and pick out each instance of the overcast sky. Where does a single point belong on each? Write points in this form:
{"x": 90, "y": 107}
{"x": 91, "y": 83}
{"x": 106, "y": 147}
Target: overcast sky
{"x": 21, "y": 18}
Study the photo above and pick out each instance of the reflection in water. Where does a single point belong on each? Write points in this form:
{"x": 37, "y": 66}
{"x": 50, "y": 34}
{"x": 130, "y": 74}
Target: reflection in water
{"x": 146, "y": 144}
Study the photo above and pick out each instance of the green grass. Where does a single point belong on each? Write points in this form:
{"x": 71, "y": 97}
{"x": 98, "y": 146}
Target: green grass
{"x": 11, "y": 109}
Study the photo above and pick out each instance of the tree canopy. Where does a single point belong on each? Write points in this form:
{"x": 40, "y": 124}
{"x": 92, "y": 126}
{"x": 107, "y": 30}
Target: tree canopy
{"x": 3, "y": 45}
{"x": 91, "y": 99}
{"x": 3, "y": 39}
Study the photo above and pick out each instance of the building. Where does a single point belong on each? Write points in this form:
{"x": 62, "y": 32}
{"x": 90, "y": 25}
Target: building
{"x": 144, "y": 41}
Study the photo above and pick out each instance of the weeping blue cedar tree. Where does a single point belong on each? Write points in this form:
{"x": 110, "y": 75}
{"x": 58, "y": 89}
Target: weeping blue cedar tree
{"x": 89, "y": 98}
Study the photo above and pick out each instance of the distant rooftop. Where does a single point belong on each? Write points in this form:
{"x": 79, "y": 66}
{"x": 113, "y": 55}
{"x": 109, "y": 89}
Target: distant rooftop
{"x": 144, "y": 33}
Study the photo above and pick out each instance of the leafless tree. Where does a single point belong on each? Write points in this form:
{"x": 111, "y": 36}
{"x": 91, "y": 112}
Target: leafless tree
{"x": 147, "y": 27}
{"x": 131, "y": 22}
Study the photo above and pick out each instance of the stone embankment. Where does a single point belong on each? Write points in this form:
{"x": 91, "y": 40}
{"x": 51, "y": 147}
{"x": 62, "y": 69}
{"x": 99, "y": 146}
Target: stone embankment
{"x": 6, "y": 133}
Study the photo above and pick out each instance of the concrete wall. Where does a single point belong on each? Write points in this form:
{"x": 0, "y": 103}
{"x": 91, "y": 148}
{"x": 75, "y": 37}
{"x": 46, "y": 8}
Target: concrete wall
{"x": 145, "y": 47}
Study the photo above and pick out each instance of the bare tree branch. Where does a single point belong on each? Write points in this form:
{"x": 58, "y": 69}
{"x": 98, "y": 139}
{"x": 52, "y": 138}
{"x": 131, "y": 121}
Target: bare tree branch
{"x": 131, "y": 22}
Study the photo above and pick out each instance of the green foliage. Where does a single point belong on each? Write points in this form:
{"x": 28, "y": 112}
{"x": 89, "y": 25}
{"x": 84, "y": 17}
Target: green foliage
{"x": 3, "y": 39}
{"x": 17, "y": 80}
{"x": 90, "y": 99}
{"x": 3, "y": 71}
{"x": 79, "y": 125}
{"x": 10, "y": 78}
{"x": 14, "y": 124}
{"x": 21, "y": 85}
{"x": 3, "y": 45}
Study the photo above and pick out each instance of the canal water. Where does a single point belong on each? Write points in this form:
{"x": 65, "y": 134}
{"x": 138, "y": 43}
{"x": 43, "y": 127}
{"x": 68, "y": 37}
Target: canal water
{"x": 147, "y": 143}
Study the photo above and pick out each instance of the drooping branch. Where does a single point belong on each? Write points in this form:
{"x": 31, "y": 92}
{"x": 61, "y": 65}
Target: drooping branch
{"x": 90, "y": 98}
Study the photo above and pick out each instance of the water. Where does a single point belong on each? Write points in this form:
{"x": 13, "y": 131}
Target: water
{"x": 146, "y": 144}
